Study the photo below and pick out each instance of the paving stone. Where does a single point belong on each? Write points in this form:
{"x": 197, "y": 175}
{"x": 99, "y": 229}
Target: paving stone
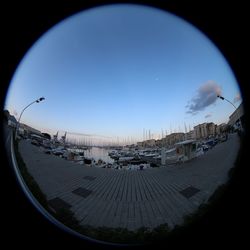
{"x": 90, "y": 178}
{"x": 58, "y": 204}
{"x": 83, "y": 192}
{"x": 189, "y": 191}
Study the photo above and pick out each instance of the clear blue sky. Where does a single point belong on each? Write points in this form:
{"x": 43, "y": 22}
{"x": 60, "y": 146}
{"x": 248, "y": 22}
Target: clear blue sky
{"x": 116, "y": 70}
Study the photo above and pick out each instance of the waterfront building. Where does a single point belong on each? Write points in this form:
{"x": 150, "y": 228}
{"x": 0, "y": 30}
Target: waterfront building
{"x": 211, "y": 129}
{"x": 190, "y": 135}
{"x": 173, "y": 138}
{"x": 149, "y": 143}
{"x": 12, "y": 122}
{"x": 220, "y": 129}
{"x": 186, "y": 149}
{"x": 27, "y": 130}
{"x": 159, "y": 143}
{"x": 237, "y": 117}
{"x": 167, "y": 141}
{"x": 205, "y": 130}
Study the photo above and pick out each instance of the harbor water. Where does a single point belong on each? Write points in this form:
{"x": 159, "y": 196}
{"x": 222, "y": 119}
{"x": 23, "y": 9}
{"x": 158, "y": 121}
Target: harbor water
{"x": 98, "y": 153}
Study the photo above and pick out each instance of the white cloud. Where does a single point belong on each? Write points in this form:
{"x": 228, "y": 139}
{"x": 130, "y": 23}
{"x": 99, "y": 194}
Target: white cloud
{"x": 237, "y": 98}
{"x": 208, "y": 115}
{"x": 206, "y": 95}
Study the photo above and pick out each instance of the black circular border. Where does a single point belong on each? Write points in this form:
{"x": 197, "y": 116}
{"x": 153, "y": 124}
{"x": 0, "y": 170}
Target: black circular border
{"x": 24, "y": 22}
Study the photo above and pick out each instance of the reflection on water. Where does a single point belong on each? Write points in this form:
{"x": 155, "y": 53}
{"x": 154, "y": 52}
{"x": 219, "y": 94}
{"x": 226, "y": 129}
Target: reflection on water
{"x": 98, "y": 153}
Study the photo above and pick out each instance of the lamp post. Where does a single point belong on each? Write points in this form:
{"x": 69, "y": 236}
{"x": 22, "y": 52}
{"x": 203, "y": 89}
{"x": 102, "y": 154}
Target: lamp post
{"x": 223, "y": 98}
{"x": 18, "y": 122}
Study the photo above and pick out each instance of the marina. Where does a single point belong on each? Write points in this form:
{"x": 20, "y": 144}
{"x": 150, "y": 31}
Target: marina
{"x": 98, "y": 153}
{"x": 126, "y": 157}
{"x": 130, "y": 199}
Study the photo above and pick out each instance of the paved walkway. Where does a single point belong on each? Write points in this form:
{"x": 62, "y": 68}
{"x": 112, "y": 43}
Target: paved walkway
{"x": 131, "y": 199}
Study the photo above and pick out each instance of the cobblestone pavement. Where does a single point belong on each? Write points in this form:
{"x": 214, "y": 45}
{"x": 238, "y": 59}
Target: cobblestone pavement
{"x": 130, "y": 199}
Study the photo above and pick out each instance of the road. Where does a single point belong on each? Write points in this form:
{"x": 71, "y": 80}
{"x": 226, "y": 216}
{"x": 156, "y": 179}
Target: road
{"x": 130, "y": 199}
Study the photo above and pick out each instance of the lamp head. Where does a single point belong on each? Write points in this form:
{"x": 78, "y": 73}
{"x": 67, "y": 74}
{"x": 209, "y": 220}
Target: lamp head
{"x": 222, "y": 98}
{"x": 40, "y": 99}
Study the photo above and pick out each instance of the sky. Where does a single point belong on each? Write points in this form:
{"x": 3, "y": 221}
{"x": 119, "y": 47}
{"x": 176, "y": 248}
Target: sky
{"x": 116, "y": 71}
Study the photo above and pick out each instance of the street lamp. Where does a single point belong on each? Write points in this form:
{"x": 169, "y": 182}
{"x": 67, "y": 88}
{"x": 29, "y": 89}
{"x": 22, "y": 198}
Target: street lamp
{"x": 18, "y": 122}
{"x": 223, "y": 98}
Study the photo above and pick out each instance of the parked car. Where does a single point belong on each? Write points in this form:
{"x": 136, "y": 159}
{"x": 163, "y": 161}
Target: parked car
{"x": 58, "y": 151}
{"x": 205, "y": 147}
{"x": 47, "y": 150}
{"x": 216, "y": 140}
{"x": 223, "y": 138}
{"x": 35, "y": 142}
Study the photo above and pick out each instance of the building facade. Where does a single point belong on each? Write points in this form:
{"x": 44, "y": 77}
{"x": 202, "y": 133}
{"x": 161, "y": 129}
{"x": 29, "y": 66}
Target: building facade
{"x": 147, "y": 143}
{"x": 173, "y": 138}
{"x": 27, "y": 130}
{"x": 167, "y": 141}
{"x": 190, "y": 135}
{"x": 220, "y": 129}
{"x": 211, "y": 129}
{"x": 205, "y": 130}
{"x": 235, "y": 119}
